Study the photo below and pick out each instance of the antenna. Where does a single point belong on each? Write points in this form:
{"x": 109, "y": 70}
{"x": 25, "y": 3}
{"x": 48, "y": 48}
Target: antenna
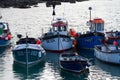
{"x": 26, "y": 55}
{"x": 90, "y": 8}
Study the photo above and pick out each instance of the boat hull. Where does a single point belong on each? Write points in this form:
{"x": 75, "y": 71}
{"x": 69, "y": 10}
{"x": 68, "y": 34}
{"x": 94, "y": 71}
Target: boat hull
{"x": 73, "y": 62}
{"x": 73, "y": 66}
{"x": 56, "y": 44}
{"x": 109, "y": 57}
{"x": 110, "y": 41}
{"x": 88, "y": 41}
{"x": 28, "y": 56}
{"x": 4, "y": 43}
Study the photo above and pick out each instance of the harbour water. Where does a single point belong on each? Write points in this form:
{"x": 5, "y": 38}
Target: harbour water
{"x": 33, "y": 20}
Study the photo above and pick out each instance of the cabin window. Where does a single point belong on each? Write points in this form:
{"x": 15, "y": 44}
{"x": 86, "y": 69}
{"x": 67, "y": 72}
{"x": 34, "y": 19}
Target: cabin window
{"x": 64, "y": 28}
{"x": 59, "y": 28}
{"x": 55, "y": 28}
{"x": 102, "y": 26}
{"x": 98, "y": 27}
{"x": 92, "y": 28}
{"x": 2, "y": 26}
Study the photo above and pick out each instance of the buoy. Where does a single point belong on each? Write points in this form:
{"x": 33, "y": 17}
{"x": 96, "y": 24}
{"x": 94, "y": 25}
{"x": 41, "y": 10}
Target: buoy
{"x": 38, "y": 42}
{"x": 73, "y": 33}
{"x": 8, "y": 37}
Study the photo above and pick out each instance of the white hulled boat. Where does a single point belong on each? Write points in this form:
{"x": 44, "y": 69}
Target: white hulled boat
{"x": 57, "y": 39}
{"x": 107, "y": 53}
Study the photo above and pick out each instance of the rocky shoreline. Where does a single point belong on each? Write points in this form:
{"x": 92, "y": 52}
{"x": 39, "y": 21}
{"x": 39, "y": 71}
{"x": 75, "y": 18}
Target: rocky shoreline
{"x": 28, "y": 3}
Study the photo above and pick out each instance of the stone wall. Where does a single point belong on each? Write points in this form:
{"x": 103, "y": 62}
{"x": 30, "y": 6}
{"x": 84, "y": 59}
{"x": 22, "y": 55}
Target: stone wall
{"x": 28, "y": 3}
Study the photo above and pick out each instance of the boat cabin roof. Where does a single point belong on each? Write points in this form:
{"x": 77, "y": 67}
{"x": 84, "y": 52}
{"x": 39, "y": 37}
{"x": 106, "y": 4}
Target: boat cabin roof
{"x": 97, "y": 20}
{"x": 59, "y": 22}
{"x": 28, "y": 40}
{"x": 3, "y": 25}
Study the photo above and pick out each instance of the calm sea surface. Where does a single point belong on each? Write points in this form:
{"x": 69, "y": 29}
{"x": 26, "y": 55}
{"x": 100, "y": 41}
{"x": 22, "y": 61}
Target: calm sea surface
{"x": 33, "y": 20}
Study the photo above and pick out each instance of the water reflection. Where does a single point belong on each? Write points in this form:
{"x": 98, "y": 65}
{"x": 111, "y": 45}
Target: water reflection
{"x": 103, "y": 71}
{"x": 88, "y": 53}
{"x": 73, "y": 76}
{"x": 32, "y": 73}
{"x": 3, "y": 49}
{"x": 112, "y": 69}
{"x": 53, "y": 67}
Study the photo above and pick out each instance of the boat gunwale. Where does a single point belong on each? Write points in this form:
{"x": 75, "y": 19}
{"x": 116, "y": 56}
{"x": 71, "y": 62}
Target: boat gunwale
{"x": 72, "y": 70}
{"x": 107, "y": 52}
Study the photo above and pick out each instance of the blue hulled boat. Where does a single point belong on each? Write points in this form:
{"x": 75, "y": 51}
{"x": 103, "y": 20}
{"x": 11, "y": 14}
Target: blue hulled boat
{"x": 28, "y": 51}
{"x": 5, "y": 35}
{"x": 93, "y": 37}
{"x": 73, "y": 62}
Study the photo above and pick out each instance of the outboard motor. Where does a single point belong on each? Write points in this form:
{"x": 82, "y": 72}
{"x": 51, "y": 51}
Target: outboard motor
{"x": 19, "y": 35}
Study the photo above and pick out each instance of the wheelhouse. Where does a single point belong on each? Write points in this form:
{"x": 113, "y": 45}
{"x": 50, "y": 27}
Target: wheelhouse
{"x": 97, "y": 25}
{"x": 59, "y": 25}
{"x": 3, "y": 28}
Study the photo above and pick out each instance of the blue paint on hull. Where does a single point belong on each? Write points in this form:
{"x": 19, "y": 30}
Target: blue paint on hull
{"x": 33, "y": 56}
{"x": 89, "y": 42}
{"x": 75, "y": 66}
{"x": 4, "y": 42}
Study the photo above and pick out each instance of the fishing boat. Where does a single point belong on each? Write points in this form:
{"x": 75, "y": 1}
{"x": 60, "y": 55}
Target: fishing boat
{"x": 113, "y": 35}
{"x": 92, "y": 37}
{"x": 5, "y": 34}
{"x": 107, "y": 53}
{"x": 28, "y": 51}
{"x": 57, "y": 39}
{"x": 73, "y": 62}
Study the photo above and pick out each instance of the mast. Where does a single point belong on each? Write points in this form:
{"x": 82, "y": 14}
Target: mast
{"x": 90, "y": 8}
{"x": 26, "y": 55}
{"x": 0, "y": 15}
{"x": 90, "y": 21}
{"x": 53, "y": 14}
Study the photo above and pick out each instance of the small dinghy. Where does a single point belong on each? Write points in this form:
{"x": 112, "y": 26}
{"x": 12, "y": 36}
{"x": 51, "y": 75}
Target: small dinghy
{"x": 108, "y": 53}
{"x": 28, "y": 51}
{"x": 73, "y": 62}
